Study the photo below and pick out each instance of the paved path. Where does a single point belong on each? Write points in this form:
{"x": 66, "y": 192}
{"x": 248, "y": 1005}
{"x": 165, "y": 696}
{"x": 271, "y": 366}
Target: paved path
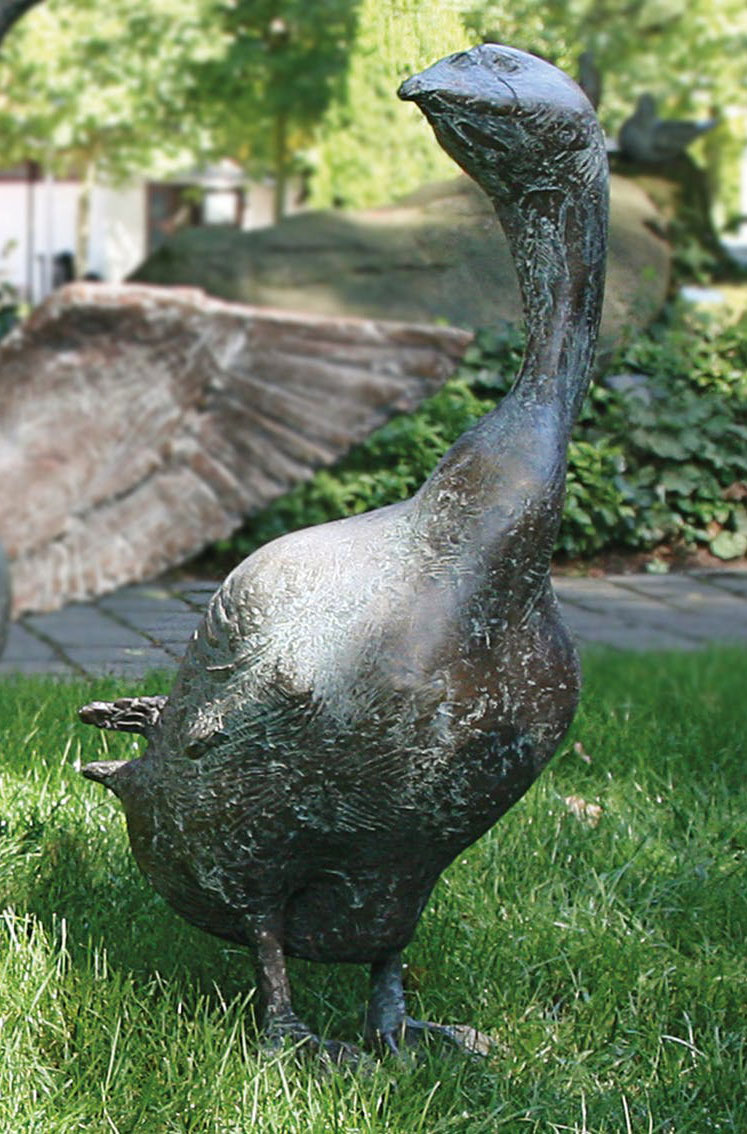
{"x": 146, "y": 627}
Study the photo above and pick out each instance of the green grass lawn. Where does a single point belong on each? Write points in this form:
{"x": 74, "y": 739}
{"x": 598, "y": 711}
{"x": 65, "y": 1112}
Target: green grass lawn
{"x": 602, "y": 947}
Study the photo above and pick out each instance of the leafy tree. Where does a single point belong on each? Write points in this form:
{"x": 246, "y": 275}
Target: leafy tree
{"x": 103, "y": 90}
{"x": 285, "y": 85}
{"x": 263, "y": 96}
{"x": 370, "y": 148}
{"x": 689, "y": 55}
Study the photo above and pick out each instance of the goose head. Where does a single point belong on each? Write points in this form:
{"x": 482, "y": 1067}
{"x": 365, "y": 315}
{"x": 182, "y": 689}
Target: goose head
{"x": 512, "y": 121}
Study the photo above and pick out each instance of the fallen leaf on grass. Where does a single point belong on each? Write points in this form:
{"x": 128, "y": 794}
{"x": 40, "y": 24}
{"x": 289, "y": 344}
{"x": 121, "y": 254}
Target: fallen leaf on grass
{"x": 579, "y": 749}
{"x": 589, "y": 813}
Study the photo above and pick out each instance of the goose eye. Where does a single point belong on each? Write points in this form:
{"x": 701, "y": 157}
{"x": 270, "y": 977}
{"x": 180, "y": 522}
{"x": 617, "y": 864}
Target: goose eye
{"x": 565, "y": 135}
{"x": 505, "y": 62}
{"x": 570, "y": 136}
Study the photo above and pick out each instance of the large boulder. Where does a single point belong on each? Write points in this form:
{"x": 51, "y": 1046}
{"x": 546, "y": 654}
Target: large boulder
{"x": 438, "y": 256}
{"x": 140, "y": 424}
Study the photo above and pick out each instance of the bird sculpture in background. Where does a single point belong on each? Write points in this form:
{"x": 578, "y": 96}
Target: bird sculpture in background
{"x": 365, "y": 698}
{"x": 647, "y": 138}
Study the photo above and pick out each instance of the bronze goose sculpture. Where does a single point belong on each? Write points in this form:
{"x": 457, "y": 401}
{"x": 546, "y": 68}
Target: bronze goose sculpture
{"x": 365, "y": 698}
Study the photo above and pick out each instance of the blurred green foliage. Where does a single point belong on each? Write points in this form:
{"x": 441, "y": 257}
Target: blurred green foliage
{"x": 370, "y": 148}
{"x": 289, "y": 87}
{"x": 282, "y": 63}
{"x": 111, "y": 86}
{"x": 689, "y": 56}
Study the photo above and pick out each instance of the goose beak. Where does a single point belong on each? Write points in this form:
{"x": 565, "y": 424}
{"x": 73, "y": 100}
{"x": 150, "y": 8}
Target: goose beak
{"x": 410, "y": 89}
{"x": 464, "y": 78}
{"x": 438, "y": 79}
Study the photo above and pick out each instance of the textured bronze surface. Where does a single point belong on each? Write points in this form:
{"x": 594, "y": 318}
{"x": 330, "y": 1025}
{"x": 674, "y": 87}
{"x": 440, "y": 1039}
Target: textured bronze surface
{"x": 365, "y": 698}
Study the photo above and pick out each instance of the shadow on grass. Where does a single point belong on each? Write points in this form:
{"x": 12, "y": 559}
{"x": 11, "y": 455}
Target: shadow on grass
{"x": 109, "y": 908}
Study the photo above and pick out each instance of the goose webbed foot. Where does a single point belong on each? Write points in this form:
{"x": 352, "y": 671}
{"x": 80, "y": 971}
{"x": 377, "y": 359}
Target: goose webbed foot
{"x": 389, "y": 1028}
{"x": 280, "y": 1026}
{"x": 289, "y": 1030}
{"x": 464, "y": 1036}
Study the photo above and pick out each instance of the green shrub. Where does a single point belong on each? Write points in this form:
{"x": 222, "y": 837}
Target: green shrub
{"x": 663, "y": 462}
{"x": 681, "y": 436}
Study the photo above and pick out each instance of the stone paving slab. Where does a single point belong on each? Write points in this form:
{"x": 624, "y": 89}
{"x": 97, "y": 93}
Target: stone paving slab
{"x": 24, "y": 646}
{"x": 690, "y": 593}
{"x": 196, "y": 586}
{"x": 733, "y": 581}
{"x": 134, "y": 607}
{"x": 27, "y": 654}
{"x": 82, "y": 623}
{"x": 609, "y": 600}
{"x": 141, "y": 628}
{"x": 610, "y": 629}
{"x": 98, "y": 655}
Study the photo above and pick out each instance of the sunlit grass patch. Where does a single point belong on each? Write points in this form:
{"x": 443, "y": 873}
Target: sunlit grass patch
{"x": 597, "y": 934}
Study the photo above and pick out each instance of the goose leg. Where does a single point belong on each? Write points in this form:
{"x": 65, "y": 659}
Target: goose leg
{"x": 278, "y": 1021}
{"x": 388, "y": 1026}
{"x": 386, "y": 1019}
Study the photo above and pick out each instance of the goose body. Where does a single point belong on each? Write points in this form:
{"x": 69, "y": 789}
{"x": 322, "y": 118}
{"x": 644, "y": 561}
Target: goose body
{"x": 365, "y": 698}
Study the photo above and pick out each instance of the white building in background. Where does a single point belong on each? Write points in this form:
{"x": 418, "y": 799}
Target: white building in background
{"x": 38, "y": 221}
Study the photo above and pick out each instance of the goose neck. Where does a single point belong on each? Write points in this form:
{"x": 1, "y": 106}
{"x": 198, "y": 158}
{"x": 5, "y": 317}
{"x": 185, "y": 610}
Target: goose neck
{"x": 558, "y": 243}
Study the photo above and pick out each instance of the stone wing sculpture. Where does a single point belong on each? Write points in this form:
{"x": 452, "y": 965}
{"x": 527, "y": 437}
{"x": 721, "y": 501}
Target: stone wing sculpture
{"x": 140, "y": 424}
{"x": 364, "y": 699}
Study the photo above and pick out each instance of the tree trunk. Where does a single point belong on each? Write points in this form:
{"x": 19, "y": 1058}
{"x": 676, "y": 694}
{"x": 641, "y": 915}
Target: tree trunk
{"x": 83, "y": 220}
{"x": 281, "y": 166}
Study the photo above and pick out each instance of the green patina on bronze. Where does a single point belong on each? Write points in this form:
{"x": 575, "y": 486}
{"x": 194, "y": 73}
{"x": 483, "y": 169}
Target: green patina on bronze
{"x": 365, "y": 698}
